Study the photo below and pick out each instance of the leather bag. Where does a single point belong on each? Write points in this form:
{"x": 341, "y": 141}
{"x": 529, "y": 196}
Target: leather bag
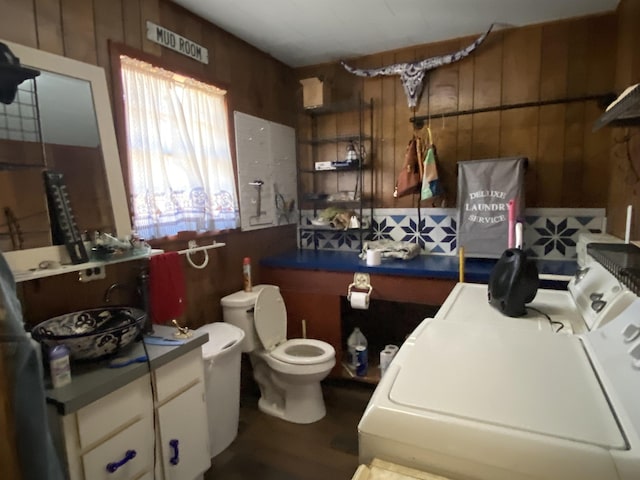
{"x": 409, "y": 179}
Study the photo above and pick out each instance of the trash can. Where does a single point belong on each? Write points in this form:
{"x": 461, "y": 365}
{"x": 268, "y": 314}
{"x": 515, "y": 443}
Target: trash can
{"x": 221, "y": 356}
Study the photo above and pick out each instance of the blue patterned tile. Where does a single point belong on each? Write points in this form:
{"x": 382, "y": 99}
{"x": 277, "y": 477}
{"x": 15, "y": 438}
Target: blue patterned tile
{"x": 398, "y": 219}
{"x": 548, "y": 233}
{"x": 556, "y": 237}
{"x": 381, "y": 230}
{"x": 439, "y": 218}
{"x": 584, "y": 220}
{"x": 412, "y": 233}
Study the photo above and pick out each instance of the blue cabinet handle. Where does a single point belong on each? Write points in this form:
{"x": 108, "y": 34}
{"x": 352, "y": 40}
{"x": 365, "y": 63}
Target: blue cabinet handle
{"x": 113, "y": 466}
{"x": 176, "y": 452}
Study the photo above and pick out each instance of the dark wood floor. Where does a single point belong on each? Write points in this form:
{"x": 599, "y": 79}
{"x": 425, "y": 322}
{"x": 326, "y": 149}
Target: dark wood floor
{"x": 268, "y": 448}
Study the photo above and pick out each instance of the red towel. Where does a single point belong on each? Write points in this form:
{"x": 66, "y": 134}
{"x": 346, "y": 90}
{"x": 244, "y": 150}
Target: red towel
{"x": 167, "y": 291}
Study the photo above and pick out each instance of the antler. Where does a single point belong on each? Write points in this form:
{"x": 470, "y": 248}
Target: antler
{"x": 412, "y": 73}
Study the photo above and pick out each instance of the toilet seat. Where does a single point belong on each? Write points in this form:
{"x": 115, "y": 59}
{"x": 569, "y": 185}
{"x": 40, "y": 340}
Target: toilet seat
{"x": 270, "y": 320}
{"x": 303, "y": 351}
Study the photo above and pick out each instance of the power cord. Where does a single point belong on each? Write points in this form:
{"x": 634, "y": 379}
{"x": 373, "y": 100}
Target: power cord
{"x": 153, "y": 409}
{"x": 551, "y": 322}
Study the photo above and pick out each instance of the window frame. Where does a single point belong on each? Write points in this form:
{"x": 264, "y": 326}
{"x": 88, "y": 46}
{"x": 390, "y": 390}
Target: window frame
{"x": 115, "y": 50}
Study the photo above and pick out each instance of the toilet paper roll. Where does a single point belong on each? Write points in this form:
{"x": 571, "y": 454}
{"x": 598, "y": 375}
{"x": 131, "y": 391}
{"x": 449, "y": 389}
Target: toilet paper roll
{"x": 392, "y": 348}
{"x": 374, "y": 257}
{"x": 359, "y": 300}
{"x": 385, "y": 360}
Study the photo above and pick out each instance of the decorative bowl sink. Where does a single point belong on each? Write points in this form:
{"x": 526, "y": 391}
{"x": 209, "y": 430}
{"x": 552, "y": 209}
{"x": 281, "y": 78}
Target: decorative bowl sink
{"x": 91, "y": 334}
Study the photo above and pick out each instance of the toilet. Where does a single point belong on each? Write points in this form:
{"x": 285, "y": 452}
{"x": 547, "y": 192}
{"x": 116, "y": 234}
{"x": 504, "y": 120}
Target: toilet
{"x": 288, "y": 372}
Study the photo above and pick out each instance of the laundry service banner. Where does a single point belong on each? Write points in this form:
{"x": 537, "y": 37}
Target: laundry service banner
{"x": 485, "y": 188}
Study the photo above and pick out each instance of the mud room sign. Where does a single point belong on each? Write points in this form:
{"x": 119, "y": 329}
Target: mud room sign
{"x": 178, "y": 43}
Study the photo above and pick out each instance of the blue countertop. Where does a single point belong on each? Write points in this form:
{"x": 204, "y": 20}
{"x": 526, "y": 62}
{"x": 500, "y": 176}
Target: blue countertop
{"x": 477, "y": 270}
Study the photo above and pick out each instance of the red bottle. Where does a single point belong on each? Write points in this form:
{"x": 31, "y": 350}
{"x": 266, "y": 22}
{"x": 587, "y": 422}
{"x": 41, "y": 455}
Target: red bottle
{"x": 246, "y": 274}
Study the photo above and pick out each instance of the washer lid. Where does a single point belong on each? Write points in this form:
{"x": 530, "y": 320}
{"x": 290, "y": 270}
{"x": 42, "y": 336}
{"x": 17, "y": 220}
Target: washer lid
{"x": 270, "y": 317}
{"x": 468, "y": 302}
{"x": 524, "y": 380}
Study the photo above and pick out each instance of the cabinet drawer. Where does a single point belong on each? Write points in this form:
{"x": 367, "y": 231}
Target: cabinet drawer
{"x": 103, "y": 417}
{"x": 136, "y": 438}
{"x": 178, "y": 374}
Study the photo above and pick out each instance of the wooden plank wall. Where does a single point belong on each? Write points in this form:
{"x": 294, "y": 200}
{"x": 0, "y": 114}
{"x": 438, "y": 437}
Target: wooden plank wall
{"x": 257, "y": 84}
{"x": 568, "y": 166}
{"x": 625, "y": 153}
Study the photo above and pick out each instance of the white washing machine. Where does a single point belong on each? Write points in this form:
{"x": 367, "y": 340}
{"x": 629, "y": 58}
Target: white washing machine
{"x": 476, "y": 395}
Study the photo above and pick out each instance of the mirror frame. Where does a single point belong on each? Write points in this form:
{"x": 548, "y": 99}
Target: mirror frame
{"x": 24, "y": 260}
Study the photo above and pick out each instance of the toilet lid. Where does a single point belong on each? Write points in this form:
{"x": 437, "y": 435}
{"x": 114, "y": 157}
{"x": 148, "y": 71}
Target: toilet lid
{"x": 270, "y": 317}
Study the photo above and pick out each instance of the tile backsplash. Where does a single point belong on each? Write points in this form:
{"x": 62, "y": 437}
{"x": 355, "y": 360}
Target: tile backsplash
{"x": 550, "y": 233}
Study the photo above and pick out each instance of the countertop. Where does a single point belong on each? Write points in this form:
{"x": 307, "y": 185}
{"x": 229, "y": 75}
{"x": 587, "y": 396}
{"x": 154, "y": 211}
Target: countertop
{"x": 476, "y": 270}
{"x": 91, "y": 381}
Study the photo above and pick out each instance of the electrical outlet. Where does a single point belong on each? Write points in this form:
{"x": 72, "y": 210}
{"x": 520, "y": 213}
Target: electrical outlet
{"x": 93, "y": 273}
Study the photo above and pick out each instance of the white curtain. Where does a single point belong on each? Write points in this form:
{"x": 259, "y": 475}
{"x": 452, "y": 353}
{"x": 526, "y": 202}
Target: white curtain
{"x": 180, "y": 170}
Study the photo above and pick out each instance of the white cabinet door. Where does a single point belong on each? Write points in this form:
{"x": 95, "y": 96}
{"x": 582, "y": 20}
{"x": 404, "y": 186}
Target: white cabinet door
{"x": 184, "y": 435}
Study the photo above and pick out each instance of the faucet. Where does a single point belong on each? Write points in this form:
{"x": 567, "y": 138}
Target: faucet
{"x": 112, "y": 287}
{"x": 142, "y": 289}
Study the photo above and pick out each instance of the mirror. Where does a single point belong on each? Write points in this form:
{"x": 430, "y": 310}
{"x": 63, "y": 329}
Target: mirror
{"x": 65, "y": 140}
{"x": 78, "y": 140}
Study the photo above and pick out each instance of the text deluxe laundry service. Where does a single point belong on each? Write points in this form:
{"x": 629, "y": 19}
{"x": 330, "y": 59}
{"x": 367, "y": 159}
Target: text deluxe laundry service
{"x": 481, "y": 211}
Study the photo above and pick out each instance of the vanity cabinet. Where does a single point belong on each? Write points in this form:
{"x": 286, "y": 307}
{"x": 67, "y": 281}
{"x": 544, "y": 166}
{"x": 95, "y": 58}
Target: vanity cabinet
{"x": 113, "y": 437}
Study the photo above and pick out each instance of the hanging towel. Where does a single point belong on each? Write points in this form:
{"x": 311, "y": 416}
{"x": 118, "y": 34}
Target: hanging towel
{"x": 167, "y": 291}
{"x": 430, "y": 181}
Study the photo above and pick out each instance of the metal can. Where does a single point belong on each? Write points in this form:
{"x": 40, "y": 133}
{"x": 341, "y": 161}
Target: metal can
{"x": 362, "y": 361}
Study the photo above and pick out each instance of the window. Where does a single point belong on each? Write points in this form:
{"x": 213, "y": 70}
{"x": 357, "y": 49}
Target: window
{"x": 180, "y": 169}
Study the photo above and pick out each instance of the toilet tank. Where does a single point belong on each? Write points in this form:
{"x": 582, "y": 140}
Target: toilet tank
{"x": 237, "y": 309}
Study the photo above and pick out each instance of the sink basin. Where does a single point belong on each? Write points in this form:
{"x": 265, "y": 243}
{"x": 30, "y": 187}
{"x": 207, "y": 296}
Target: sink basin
{"x": 92, "y": 334}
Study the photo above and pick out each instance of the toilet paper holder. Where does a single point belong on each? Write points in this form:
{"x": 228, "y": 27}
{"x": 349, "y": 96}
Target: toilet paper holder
{"x": 361, "y": 281}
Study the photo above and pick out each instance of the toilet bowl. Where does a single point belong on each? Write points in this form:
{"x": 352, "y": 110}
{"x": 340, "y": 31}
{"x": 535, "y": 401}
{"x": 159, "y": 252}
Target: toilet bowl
{"x": 288, "y": 372}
